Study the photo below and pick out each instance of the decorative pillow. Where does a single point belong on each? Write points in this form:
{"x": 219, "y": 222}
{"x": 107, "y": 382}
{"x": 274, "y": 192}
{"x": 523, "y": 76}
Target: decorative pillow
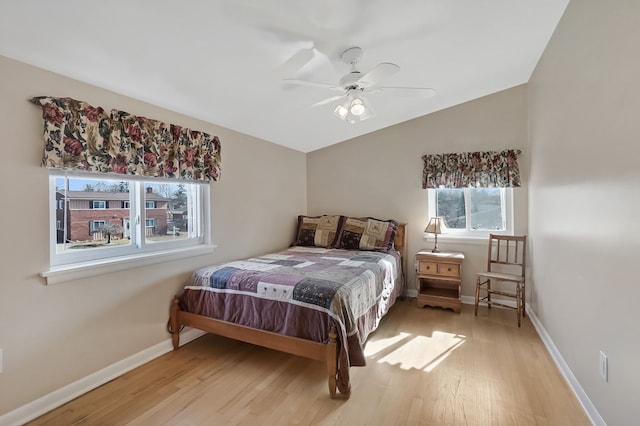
{"x": 351, "y": 233}
{"x": 318, "y": 231}
{"x": 367, "y": 234}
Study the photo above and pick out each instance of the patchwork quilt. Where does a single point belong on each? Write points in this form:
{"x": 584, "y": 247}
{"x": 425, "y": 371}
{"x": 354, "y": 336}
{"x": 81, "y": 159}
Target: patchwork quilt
{"x": 302, "y": 292}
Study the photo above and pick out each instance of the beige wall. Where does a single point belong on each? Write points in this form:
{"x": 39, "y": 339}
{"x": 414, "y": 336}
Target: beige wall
{"x": 55, "y": 335}
{"x": 579, "y": 205}
{"x": 584, "y": 104}
{"x": 380, "y": 174}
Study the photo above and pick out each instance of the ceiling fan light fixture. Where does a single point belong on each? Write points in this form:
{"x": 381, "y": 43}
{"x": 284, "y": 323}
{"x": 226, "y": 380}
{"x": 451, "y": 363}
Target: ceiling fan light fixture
{"x": 353, "y": 109}
{"x": 357, "y": 107}
{"x": 341, "y": 112}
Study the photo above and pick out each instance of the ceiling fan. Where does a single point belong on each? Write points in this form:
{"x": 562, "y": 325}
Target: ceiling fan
{"x": 355, "y": 85}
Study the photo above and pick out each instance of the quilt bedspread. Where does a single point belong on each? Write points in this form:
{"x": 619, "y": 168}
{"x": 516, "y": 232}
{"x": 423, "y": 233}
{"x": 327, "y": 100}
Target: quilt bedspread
{"x": 302, "y": 292}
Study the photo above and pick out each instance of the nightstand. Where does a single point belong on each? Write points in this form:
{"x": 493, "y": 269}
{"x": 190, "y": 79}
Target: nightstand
{"x": 438, "y": 278}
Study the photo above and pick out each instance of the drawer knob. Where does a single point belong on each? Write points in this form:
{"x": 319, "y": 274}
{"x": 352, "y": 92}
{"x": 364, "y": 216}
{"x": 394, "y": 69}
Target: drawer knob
{"x": 449, "y": 269}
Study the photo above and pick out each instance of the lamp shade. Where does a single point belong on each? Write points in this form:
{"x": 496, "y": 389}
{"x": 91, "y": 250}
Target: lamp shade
{"x": 436, "y": 226}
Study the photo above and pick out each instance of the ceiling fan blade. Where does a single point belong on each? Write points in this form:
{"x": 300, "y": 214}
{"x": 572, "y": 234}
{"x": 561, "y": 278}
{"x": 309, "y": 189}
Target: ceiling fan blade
{"x": 311, "y": 84}
{"x": 326, "y": 101}
{"x": 381, "y": 72}
{"x": 298, "y": 60}
{"x": 411, "y": 92}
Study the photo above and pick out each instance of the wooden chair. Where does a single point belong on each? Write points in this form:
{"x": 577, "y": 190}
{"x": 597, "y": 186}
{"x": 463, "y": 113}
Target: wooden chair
{"x": 506, "y": 264}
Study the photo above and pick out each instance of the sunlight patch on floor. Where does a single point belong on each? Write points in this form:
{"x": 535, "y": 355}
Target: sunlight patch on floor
{"x": 409, "y": 351}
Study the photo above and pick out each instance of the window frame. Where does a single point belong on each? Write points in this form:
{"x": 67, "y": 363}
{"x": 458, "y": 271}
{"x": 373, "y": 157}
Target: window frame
{"x": 67, "y": 266}
{"x": 92, "y": 225}
{"x": 453, "y": 233}
{"x": 96, "y": 202}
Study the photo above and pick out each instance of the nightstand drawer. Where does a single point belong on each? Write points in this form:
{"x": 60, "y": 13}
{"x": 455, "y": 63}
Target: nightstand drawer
{"x": 449, "y": 269}
{"x": 430, "y": 268}
{"x": 438, "y": 279}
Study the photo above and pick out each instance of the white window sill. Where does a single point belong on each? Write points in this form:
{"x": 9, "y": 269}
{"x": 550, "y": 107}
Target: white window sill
{"x": 59, "y": 274}
{"x": 449, "y": 239}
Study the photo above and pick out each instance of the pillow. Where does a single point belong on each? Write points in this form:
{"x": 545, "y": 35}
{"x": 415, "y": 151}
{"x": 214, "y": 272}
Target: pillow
{"x": 317, "y": 231}
{"x": 367, "y": 234}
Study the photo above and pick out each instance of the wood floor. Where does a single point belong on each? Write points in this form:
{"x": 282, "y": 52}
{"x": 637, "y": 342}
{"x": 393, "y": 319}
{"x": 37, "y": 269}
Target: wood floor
{"x": 425, "y": 367}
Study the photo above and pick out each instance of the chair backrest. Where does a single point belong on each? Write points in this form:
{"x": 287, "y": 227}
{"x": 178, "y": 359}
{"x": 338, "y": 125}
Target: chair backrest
{"x": 507, "y": 253}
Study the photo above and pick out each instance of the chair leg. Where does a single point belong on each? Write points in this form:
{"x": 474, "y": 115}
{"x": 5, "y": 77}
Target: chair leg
{"x": 489, "y": 293}
{"x": 477, "y": 294}
{"x": 518, "y": 303}
{"x": 524, "y": 301}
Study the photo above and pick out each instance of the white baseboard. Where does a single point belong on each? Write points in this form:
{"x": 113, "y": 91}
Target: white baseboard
{"x": 583, "y": 398}
{"x": 65, "y": 394}
{"x": 471, "y": 300}
{"x": 468, "y": 300}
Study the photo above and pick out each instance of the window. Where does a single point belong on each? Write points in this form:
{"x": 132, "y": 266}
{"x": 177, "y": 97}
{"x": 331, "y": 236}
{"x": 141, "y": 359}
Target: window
{"x": 473, "y": 212}
{"x": 149, "y": 227}
{"x": 111, "y": 218}
{"x": 97, "y": 226}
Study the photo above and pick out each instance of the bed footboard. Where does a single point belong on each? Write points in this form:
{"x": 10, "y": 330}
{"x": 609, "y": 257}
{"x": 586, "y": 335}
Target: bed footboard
{"x": 326, "y": 352}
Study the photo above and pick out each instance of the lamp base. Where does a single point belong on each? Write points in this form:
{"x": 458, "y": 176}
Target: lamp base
{"x": 435, "y": 245}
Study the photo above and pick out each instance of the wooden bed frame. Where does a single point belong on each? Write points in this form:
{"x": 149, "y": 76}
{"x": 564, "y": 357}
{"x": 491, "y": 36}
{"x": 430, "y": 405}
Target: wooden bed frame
{"x": 326, "y": 352}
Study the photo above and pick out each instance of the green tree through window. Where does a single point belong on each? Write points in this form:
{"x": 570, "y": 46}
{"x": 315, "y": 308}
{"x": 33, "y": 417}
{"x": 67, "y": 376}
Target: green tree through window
{"x": 472, "y": 209}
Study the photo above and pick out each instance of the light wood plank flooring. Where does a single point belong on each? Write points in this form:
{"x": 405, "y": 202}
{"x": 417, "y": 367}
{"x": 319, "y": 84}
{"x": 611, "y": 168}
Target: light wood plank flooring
{"x": 425, "y": 367}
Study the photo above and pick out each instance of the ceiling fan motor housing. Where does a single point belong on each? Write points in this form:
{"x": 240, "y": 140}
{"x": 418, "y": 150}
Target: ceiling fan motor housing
{"x": 350, "y": 79}
{"x": 351, "y": 56}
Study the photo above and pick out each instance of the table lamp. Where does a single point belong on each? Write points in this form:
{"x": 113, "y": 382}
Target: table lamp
{"x": 436, "y": 226}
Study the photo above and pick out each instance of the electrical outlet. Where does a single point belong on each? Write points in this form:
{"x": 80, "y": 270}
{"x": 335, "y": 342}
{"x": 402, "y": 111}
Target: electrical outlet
{"x": 604, "y": 367}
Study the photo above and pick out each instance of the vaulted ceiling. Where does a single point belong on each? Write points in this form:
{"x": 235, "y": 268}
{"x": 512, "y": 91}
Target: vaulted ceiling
{"x": 224, "y": 61}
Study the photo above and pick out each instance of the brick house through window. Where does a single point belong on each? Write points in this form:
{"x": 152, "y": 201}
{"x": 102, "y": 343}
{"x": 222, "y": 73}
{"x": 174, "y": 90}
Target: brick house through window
{"x": 87, "y": 212}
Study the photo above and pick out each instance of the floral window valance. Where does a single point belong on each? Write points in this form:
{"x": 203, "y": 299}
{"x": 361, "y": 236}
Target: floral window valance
{"x": 78, "y": 136}
{"x": 472, "y": 170}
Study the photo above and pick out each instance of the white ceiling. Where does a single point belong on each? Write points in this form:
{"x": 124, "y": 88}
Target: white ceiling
{"x": 224, "y": 61}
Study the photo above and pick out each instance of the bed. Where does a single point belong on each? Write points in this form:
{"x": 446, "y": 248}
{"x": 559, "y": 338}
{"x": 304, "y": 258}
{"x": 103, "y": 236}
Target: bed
{"x": 319, "y": 299}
